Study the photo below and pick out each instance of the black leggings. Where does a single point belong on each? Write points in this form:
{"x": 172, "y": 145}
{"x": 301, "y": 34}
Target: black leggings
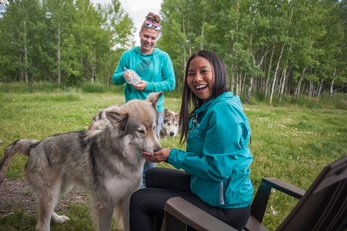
{"x": 147, "y": 204}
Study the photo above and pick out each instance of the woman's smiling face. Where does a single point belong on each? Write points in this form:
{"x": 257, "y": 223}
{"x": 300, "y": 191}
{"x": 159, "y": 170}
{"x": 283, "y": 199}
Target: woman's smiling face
{"x": 200, "y": 78}
{"x": 148, "y": 39}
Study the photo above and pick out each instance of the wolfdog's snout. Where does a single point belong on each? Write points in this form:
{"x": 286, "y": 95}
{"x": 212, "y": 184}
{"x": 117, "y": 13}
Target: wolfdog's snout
{"x": 156, "y": 148}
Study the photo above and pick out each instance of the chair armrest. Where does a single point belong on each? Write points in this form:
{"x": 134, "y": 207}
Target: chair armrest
{"x": 180, "y": 213}
{"x": 263, "y": 194}
{"x": 285, "y": 187}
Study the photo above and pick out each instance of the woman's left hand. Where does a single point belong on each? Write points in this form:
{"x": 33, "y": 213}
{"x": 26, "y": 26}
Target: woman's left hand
{"x": 140, "y": 86}
{"x": 158, "y": 156}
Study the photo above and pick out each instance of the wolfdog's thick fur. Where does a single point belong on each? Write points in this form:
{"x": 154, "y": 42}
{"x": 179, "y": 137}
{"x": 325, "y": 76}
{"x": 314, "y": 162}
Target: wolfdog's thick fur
{"x": 105, "y": 160}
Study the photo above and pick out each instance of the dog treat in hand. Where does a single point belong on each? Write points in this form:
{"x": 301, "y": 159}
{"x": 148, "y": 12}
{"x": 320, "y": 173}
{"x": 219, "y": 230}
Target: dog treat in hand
{"x": 131, "y": 76}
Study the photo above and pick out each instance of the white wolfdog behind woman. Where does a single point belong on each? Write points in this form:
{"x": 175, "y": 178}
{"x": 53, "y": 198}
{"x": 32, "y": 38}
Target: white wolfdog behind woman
{"x": 105, "y": 160}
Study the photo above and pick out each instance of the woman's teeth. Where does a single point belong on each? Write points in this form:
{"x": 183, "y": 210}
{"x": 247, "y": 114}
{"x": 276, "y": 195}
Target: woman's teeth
{"x": 200, "y": 86}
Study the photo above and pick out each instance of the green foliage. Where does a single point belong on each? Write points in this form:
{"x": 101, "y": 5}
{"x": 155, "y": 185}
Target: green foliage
{"x": 65, "y": 42}
{"x": 261, "y": 41}
{"x": 275, "y": 48}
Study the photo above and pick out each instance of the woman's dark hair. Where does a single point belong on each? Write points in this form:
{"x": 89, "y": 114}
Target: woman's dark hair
{"x": 188, "y": 98}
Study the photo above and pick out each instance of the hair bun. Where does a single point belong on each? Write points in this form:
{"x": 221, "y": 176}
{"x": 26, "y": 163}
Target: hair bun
{"x": 153, "y": 17}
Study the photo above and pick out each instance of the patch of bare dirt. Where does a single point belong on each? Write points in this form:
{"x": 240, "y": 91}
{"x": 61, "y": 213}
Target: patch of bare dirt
{"x": 17, "y": 195}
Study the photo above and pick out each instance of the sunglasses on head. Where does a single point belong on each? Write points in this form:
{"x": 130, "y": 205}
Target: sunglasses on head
{"x": 154, "y": 25}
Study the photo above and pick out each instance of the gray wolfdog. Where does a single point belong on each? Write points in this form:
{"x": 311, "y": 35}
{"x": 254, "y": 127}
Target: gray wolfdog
{"x": 105, "y": 160}
{"x": 170, "y": 126}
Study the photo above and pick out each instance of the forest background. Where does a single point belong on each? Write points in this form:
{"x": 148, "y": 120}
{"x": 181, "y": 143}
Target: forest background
{"x": 273, "y": 49}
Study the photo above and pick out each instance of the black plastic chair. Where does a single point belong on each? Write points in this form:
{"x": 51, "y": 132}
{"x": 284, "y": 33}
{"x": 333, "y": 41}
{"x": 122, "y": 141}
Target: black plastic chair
{"x": 323, "y": 207}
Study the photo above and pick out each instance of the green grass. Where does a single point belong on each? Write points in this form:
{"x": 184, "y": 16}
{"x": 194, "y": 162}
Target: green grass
{"x": 291, "y": 142}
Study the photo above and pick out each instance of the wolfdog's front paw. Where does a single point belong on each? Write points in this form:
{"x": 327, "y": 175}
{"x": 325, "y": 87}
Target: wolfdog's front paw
{"x": 59, "y": 219}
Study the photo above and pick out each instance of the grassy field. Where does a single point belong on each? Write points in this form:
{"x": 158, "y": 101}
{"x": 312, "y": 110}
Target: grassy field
{"x": 290, "y": 142}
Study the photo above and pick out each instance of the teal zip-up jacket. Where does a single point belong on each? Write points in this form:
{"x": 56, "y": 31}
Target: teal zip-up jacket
{"x": 155, "y": 68}
{"x": 217, "y": 154}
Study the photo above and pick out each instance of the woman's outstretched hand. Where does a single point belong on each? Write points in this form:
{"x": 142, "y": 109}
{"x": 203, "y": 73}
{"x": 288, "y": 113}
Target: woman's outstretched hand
{"x": 158, "y": 156}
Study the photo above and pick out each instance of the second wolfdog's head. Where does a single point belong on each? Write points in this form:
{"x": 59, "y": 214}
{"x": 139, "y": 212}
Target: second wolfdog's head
{"x": 171, "y": 123}
{"x": 132, "y": 124}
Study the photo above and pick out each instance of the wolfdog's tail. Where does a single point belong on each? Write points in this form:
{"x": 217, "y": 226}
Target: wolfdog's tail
{"x": 22, "y": 146}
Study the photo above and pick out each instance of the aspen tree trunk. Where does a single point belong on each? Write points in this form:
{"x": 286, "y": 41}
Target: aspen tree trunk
{"x": 269, "y": 72}
{"x": 244, "y": 84}
{"x": 276, "y": 73}
{"x": 231, "y": 83}
{"x": 93, "y": 73}
{"x": 285, "y": 77}
{"x": 251, "y": 82}
{"x": 94, "y": 67}
{"x": 320, "y": 88}
{"x": 279, "y": 60}
{"x": 237, "y": 91}
{"x": 282, "y": 85}
{"x": 241, "y": 84}
{"x": 331, "y": 91}
{"x": 21, "y": 69}
{"x": 311, "y": 88}
{"x": 249, "y": 91}
{"x": 280, "y": 81}
{"x": 298, "y": 87}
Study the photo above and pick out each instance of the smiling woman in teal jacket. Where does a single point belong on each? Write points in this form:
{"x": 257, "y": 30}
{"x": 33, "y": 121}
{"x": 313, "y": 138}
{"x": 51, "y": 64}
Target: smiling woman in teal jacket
{"x": 217, "y": 157}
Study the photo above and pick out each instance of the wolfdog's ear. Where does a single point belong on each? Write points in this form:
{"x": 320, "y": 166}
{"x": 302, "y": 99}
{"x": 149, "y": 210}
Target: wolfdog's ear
{"x": 154, "y": 97}
{"x": 118, "y": 117}
{"x": 166, "y": 112}
{"x": 177, "y": 116}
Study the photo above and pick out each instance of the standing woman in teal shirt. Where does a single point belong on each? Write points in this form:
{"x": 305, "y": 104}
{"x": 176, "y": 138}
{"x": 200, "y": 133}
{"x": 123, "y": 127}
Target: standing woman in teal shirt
{"x": 217, "y": 158}
{"x": 153, "y": 67}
